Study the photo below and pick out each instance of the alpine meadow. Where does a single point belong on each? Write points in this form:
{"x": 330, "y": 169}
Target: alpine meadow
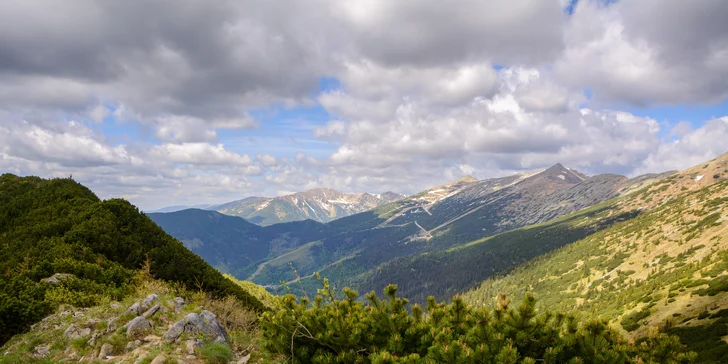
{"x": 369, "y": 181}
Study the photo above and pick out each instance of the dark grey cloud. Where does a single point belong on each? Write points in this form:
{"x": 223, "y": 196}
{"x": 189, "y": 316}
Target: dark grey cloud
{"x": 433, "y": 32}
{"x": 204, "y": 59}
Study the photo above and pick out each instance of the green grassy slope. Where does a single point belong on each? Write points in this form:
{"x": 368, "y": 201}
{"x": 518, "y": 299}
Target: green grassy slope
{"x": 445, "y": 272}
{"x": 59, "y": 226}
{"x": 665, "y": 270}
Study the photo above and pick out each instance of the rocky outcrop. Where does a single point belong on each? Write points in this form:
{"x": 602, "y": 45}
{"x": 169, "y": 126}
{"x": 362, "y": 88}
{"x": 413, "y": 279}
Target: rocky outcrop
{"x": 205, "y": 323}
{"x": 75, "y": 332}
{"x": 147, "y": 302}
{"x": 177, "y": 302}
{"x": 109, "y": 333}
{"x": 57, "y": 278}
{"x": 106, "y": 350}
{"x": 150, "y": 312}
{"x": 138, "y": 328}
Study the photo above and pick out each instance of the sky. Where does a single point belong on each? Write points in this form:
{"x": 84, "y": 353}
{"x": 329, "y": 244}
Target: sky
{"x": 169, "y": 102}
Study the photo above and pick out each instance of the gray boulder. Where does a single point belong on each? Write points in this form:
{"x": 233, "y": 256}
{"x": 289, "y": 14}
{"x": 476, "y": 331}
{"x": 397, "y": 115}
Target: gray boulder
{"x": 192, "y": 345}
{"x": 111, "y": 324}
{"x": 136, "y": 309}
{"x": 213, "y": 327}
{"x": 106, "y": 350}
{"x": 205, "y": 323}
{"x": 57, "y": 278}
{"x": 75, "y": 332}
{"x": 150, "y": 312}
{"x": 177, "y": 302}
{"x": 138, "y": 328}
{"x": 147, "y": 302}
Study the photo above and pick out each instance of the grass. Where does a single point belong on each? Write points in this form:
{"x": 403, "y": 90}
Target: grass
{"x": 215, "y": 353}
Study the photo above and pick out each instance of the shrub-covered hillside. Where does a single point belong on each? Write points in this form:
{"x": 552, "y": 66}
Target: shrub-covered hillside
{"x": 664, "y": 270}
{"x": 59, "y": 226}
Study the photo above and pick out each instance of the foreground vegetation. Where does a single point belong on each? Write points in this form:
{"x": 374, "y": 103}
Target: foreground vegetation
{"x": 57, "y": 226}
{"x": 49, "y": 342}
{"x": 328, "y": 330}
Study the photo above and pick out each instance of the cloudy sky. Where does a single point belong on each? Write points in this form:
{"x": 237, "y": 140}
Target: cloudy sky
{"x": 186, "y": 102}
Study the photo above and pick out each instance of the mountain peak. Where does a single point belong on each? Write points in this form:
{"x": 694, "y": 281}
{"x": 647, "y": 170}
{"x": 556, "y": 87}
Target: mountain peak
{"x": 563, "y": 173}
{"x": 557, "y": 167}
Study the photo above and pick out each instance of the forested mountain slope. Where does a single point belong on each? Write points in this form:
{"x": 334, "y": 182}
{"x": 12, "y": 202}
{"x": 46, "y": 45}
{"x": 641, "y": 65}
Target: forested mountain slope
{"x": 92, "y": 250}
{"x": 663, "y": 270}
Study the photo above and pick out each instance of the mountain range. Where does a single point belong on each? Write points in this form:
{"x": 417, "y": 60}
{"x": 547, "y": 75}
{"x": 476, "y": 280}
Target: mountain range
{"x": 616, "y": 258}
{"x": 352, "y": 250}
{"x": 318, "y": 204}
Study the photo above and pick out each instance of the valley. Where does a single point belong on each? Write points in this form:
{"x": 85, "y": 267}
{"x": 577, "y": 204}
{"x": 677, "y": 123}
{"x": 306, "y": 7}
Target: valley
{"x": 641, "y": 258}
{"x": 369, "y": 249}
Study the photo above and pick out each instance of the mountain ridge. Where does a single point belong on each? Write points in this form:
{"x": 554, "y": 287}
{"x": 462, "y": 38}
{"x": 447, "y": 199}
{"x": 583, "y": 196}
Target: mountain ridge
{"x": 663, "y": 271}
{"x": 318, "y": 204}
{"x": 433, "y": 220}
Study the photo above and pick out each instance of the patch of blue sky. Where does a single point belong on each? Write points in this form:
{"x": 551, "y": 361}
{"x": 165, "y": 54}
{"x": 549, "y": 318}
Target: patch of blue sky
{"x": 327, "y": 84}
{"x": 284, "y": 132}
{"x": 570, "y": 5}
{"x": 669, "y": 116}
{"x": 118, "y": 131}
{"x": 696, "y": 115}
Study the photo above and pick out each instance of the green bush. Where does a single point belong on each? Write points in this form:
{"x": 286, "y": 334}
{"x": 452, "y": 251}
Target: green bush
{"x": 385, "y": 331}
{"x": 715, "y": 286}
{"x": 633, "y": 321}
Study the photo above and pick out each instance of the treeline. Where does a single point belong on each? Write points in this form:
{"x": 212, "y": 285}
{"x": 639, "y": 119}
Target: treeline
{"x": 59, "y": 226}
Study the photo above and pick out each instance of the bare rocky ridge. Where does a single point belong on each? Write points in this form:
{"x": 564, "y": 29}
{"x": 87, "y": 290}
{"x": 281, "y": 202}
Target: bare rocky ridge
{"x": 510, "y": 202}
{"x": 319, "y": 204}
